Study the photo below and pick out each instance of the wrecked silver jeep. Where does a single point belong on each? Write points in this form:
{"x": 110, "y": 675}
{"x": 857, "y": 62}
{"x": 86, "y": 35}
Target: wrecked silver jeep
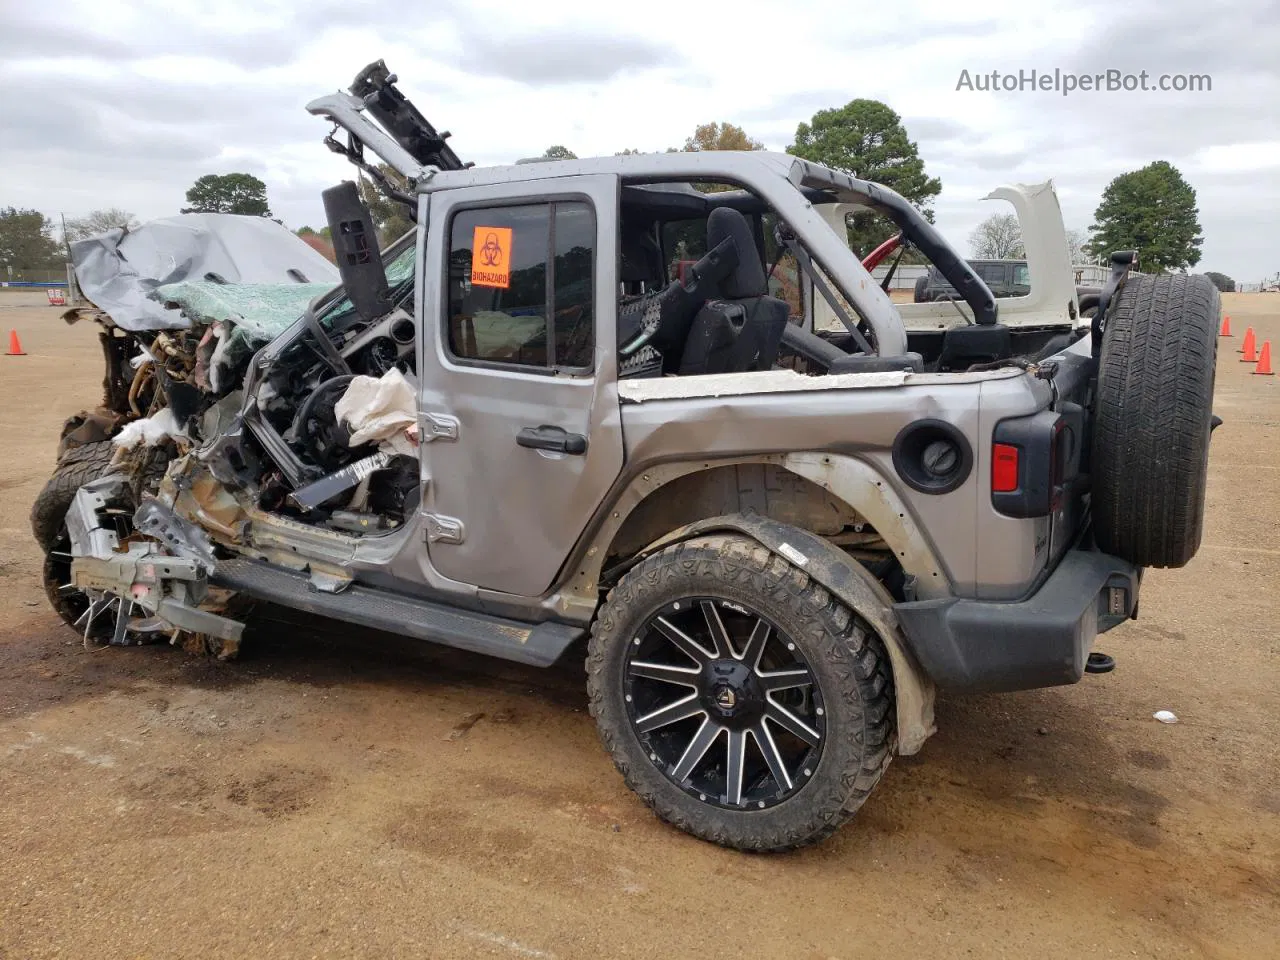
{"x": 568, "y": 410}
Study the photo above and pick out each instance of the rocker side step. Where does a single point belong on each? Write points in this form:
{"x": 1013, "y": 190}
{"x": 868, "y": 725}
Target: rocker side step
{"x": 539, "y": 644}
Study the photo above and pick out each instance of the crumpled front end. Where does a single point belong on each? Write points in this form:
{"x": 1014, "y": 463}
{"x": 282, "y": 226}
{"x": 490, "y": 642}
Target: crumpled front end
{"x": 153, "y": 580}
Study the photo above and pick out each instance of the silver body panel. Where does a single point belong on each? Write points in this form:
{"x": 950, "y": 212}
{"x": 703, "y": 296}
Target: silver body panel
{"x": 522, "y": 509}
{"x": 980, "y": 552}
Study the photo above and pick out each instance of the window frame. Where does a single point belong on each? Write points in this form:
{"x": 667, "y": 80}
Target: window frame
{"x": 545, "y": 200}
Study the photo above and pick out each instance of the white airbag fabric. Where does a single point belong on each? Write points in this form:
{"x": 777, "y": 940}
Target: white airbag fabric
{"x": 382, "y": 409}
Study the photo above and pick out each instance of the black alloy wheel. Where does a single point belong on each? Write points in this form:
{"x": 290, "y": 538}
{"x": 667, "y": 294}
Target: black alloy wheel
{"x": 740, "y": 699}
{"x": 724, "y": 703}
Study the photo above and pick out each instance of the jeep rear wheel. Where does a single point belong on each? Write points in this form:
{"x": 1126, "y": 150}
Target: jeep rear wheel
{"x": 1152, "y": 419}
{"x": 737, "y": 697}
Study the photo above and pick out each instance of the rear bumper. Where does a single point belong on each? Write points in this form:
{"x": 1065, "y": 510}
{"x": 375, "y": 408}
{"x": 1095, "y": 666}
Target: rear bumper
{"x": 1042, "y": 641}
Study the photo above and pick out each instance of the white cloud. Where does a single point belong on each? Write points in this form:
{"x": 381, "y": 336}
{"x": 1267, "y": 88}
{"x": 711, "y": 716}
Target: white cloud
{"x": 125, "y": 102}
{"x": 1239, "y": 157}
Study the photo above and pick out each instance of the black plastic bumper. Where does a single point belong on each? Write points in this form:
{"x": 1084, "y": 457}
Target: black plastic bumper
{"x": 1042, "y": 641}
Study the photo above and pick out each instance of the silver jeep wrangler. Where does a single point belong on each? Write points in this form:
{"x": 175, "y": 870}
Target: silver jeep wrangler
{"x": 569, "y": 410}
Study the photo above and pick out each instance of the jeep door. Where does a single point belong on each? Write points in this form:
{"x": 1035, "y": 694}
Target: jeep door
{"x": 519, "y": 401}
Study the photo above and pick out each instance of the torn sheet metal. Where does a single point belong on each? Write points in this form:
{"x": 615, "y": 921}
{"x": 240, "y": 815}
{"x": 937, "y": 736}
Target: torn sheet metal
{"x": 134, "y": 576}
{"x": 119, "y": 271}
{"x": 382, "y": 409}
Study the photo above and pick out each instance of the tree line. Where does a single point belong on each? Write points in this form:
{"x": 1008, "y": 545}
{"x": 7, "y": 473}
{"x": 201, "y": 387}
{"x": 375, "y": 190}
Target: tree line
{"x": 1152, "y": 210}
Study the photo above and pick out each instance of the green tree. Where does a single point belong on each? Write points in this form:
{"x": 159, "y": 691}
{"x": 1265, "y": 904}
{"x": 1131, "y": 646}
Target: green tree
{"x": 98, "y": 222}
{"x": 559, "y": 153}
{"x": 389, "y": 216}
{"x": 26, "y": 243}
{"x": 1221, "y": 281}
{"x": 720, "y": 136}
{"x": 241, "y": 193}
{"x": 1153, "y": 211}
{"x": 866, "y": 139}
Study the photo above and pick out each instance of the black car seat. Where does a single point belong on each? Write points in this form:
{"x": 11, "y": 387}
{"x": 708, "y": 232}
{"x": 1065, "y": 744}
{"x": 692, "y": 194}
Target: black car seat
{"x": 661, "y": 321}
{"x": 742, "y": 329}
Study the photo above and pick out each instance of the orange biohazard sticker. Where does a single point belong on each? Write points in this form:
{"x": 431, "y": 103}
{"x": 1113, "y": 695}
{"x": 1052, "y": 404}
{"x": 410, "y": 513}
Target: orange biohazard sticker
{"x": 491, "y": 257}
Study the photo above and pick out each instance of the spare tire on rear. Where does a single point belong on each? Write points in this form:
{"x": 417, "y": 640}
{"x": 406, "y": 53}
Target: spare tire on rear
{"x": 1152, "y": 419}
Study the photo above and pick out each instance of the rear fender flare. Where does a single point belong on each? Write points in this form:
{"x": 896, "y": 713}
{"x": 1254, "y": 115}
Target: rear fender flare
{"x": 863, "y": 488}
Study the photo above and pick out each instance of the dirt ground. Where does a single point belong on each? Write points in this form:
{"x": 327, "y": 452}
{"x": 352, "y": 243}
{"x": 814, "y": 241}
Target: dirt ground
{"x": 342, "y": 793}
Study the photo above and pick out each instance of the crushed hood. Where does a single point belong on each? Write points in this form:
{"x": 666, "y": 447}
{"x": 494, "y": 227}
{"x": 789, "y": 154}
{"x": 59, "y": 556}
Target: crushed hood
{"x": 120, "y": 271}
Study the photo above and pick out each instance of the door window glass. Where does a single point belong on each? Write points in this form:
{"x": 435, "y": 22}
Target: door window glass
{"x": 510, "y": 269}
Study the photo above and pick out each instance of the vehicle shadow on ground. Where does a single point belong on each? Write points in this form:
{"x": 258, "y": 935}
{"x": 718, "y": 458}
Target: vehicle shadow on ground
{"x": 1010, "y": 753}
{"x": 45, "y": 664}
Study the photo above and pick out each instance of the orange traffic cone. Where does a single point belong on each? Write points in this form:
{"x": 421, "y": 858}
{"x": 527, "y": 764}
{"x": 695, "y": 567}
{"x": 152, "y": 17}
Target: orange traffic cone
{"x": 1264, "y": 361}
{"x": 1250, "y": 347}
{"x": 1226, "y": 327}
{"x": 15, "y": 345}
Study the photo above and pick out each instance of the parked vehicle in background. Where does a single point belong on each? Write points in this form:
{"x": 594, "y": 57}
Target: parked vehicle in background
{"x": 1004, "y": 278}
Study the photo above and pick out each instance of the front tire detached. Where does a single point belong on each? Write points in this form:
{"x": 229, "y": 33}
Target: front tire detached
{"x": 846, "y": 718}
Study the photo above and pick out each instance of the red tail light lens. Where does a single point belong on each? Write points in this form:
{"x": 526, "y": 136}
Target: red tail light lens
{"x": 1004, "y": 468}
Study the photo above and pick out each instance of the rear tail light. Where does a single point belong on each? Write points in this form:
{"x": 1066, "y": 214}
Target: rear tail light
{"x": 1004, "y": 468}
{"x": 1034, "y": 461}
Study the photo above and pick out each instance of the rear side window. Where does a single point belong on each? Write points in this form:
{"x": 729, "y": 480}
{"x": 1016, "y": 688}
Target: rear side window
{"x": 522, "y": 285}
{"x": 992, "y": 273}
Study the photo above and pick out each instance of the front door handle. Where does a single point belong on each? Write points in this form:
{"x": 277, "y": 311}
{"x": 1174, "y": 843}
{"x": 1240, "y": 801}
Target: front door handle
{"x": 554, "y": 439}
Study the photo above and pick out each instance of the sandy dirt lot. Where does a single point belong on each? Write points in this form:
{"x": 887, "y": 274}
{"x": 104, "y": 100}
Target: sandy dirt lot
{"x": 341, "y": 793}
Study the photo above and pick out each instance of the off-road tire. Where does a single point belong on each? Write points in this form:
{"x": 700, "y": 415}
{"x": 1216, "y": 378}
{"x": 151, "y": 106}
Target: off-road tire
{"x": 77, "y": 467}
{"x": 1151, "y": 423}
{"x": 921, "y": 291}
{"x": 845, "y": 656}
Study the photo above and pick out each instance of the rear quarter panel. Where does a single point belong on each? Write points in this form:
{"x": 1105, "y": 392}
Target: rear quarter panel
{"x": 982, "y": 553}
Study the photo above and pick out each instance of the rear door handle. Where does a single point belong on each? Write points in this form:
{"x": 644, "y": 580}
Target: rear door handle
{"x": 552, "y": 438}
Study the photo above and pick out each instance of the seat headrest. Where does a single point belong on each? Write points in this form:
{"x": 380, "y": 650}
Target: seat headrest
{"x": 748, "y": 278}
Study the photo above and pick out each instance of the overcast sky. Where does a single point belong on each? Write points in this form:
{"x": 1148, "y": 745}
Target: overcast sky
{"x": 125, "y": 104}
